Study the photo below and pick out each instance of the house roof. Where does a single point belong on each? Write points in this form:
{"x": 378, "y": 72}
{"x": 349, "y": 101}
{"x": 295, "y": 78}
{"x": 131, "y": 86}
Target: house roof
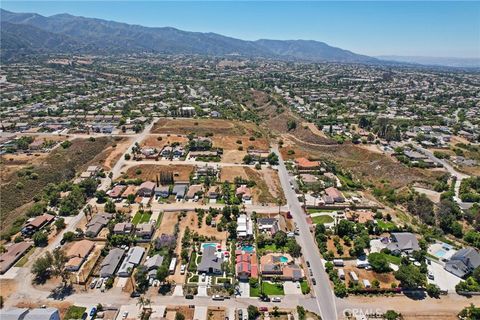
{"x": 403, "y": 241}
{"x": 469, "y": 256}
{"x": 14, "y": 252}
{"x": 305, "y": 163}
{"x": 41, "y": 220}
{"x": 154, "y": 262}
{"x": 333, "y": 192}
{"x": 147, "y": 185}
{"x": 111, "y": 261}
{"x": 80, "y": 248}
{"x": 209, "y": 260}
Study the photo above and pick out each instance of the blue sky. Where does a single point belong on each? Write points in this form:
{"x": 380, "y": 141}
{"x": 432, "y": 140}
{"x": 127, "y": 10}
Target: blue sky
{"x": 437, "y": 29}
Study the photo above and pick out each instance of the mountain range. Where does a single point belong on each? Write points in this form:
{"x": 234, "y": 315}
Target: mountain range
{"x": 31, "y": 33}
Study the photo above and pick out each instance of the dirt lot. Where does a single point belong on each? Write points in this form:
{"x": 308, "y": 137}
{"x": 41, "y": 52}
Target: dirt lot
{"x": 150, "y": 171}
{"x": 331, "y": 246}
{"x": 230, "y": 146}
{"x": 203, "y": 126}
{"x": 169, "y": 220}
{"x": 385, "y": 279}
{"x": 267, "y": 188}
{"x": 216, "y": 313}
{"x": 112, "y": 154}
{"x": 185, "y": 310}
{"x": 154, "y": 141}
{"x": 365, "y": 165}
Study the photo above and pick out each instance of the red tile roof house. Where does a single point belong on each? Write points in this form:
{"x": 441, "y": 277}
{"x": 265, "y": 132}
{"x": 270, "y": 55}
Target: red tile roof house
{"x": 246, "y": 265}
{"x": 37, "y": 223}
{"x": 303, "y": 164}
{"x": 335, "y": 194}
{"x": 13, "y": 254}
{"x": 116, "y": 191}
{"x": 78, "y": 253}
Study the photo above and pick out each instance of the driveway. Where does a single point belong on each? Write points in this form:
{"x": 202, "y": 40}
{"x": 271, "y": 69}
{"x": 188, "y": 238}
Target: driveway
{"x": 202, "y": 290}
{"x": 290, "y": 287}
{"x": 244, "y": 288}
{"x": 442, "y": 278}
{"x": 200, "y": 313}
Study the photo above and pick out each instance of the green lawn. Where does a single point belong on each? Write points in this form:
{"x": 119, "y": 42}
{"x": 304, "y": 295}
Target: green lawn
{"x": 386, "y": 225}
{"x": 74, "y": 312}
{"x": 322, "y": 219}
{"x": 393, "y": 259}
{"x": 304, "y": 286}
{"x": 255, "y": 292}
{"x": 313, "y": 210}
{"x": 273, "y": 289}
{"x": 141, "y": 217}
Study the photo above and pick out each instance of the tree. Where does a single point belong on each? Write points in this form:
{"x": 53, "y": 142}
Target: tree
{"x": 280, "y": 239}
{"x": 68, "y": 236}
{"x": 378, "y": 262}
{"x": 60, "y": 224}
{"x": 41, "y": 267}
{"x": 410, "y": 277}
{"x": 253, "y": 312}
{"x": 40, "y": 239}
{"x": 291, "y": 125}
{"x": 294, "y": 248}
{"x": 179, "y": 316}
{"x": 162, "y": 273}
{"x": 101, "y": 196}
{"x": 433, "y": 290}
{"x": 469, "y": 313}
{"x": 392, "y": 315}
{"x": 272, "y": 159}
{"x": 110, "y": 206}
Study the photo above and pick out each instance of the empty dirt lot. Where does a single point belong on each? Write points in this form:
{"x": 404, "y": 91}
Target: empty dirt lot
{"x": 155, "y": 141}
{"x": 151, "y": 171}
{"x": 203, "y": 126}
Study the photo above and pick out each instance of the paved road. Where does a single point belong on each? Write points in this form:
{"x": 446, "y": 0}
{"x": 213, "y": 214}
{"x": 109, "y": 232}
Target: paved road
{"x": 460, "y": 176}
{"x": 323, "y": 293}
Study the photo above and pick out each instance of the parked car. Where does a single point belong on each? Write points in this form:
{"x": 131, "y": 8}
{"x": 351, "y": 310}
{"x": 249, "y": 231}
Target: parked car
{"x": 135, "y": 294}
{"x": 265, "y": 299}
{"x": 99, "y": 283}
{"x": 308, "y": 264}
{"x": 276, "y": 299}
{"x": 125, "y": 315}
{"x": 311, "y": 272}
{"x": 263, "y": 309}
{"x": 430, "y": 275}
{"x": 93, "y": 283}
{"x": 93, "y": 311}
{"x": 217, "y": 297}
{"x": 314, "y": 282}
{"x": 189, "y": 296}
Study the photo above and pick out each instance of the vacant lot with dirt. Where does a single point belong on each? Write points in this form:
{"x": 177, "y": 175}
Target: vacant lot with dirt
{"x": 151, "y": 171}
{"x": 232, "y": 144}
{"x": 60, "y": 165}
{"x": 203, "y": 126}
{"x": 156, "y": 141}
{"x": 113, "y": 153}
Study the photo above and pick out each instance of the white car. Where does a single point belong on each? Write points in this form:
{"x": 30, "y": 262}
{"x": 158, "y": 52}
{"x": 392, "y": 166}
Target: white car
{"x": 125, "y": 315}
{"x": 276, "y": 299}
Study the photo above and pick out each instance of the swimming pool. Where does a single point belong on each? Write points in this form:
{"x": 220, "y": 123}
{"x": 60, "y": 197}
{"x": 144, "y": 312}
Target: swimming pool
{"x": 283, "y": 259}
{"x": 440, "y": 253}
{"x": 248, "y": 248}
{"x": 205, "y": 245}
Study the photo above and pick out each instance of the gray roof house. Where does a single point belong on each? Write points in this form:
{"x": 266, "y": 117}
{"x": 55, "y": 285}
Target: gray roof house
{"x": 111, "y": 262}
{"x": 152, "y": 264}
{"x": 403, "y": 242}
{"x": 179, "y": 190}
{"x": 97, "y": 223}
{"x": 43, "y": 314}
{"x": 210, "y": 262}
{"x": 13, "y": 313}
{"x": 133, "y": 259}
{"x": 463, "y": 262}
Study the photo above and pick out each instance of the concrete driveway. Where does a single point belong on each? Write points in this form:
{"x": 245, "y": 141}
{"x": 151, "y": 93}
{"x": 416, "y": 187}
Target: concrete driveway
{"x": 200, "y": 313}
{"x": 442, "y": 278}
{"x": 244, "y": 288}
{"x": 290, "y": 287}
{"x": 202, "y": 290}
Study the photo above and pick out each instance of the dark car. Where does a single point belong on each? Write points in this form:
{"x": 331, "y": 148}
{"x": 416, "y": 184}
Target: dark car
{"x": 62, "y": 242}
{"x": 308, "y": 264}
{"x": 189, "y": 296}
{"x": 135, "y": 294}
{"x": 265, "y": 299}
{"x": 314, "y": 282}
{"x": 93, "y": 311}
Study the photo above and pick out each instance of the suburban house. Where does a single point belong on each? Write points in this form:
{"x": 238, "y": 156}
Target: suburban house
{"x": 152, "y": 264}
{"x": 211, "y": 263}
{"x": 96, "y": 224}
{"x": 109, "y": 265}
{"x": 244, "y": 226}
{"x": 213, "y": 192}
{"x": 37, "y": 223}
{"x": 403, "y": 242}
{"x": 246, "y": 265}
{"x": 30, "y": 314}
{"x": 130, "y": 190}
{"x": 193, "y": 191}
{"x": 335, "y": 194}
{"x": 13, "y": 254}
{"x": 78, "y": 253}
{"x": 116, "y": 191}
{"x": 166, "y": 152}
{"x": 133, "y": 259}
{"x": 179, "y": 189}
{"x": 162, "y": 191}
{"x": 269, "y": 225}
{"x": 244, "y": 192}
{"x": 272, "y": 266}
{"x": 463, "y": 262}
{"x": 123, "y": 228}
{"x": 360, "y": 216}
{"x": 146, "y": 189}
{"x": 165, "y": 240}
{"x": 144, "y": 230}
{"x": 259, "y": 155}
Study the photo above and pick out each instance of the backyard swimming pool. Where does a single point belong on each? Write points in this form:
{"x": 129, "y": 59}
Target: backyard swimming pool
{"x": 283, "y": 259}
{"x": 206, "y": 245}
{"x": 248, "y": 248}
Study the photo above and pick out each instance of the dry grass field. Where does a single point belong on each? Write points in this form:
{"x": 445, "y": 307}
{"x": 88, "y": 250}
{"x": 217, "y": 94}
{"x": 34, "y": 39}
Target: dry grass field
{"x": 154, "y": 141}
